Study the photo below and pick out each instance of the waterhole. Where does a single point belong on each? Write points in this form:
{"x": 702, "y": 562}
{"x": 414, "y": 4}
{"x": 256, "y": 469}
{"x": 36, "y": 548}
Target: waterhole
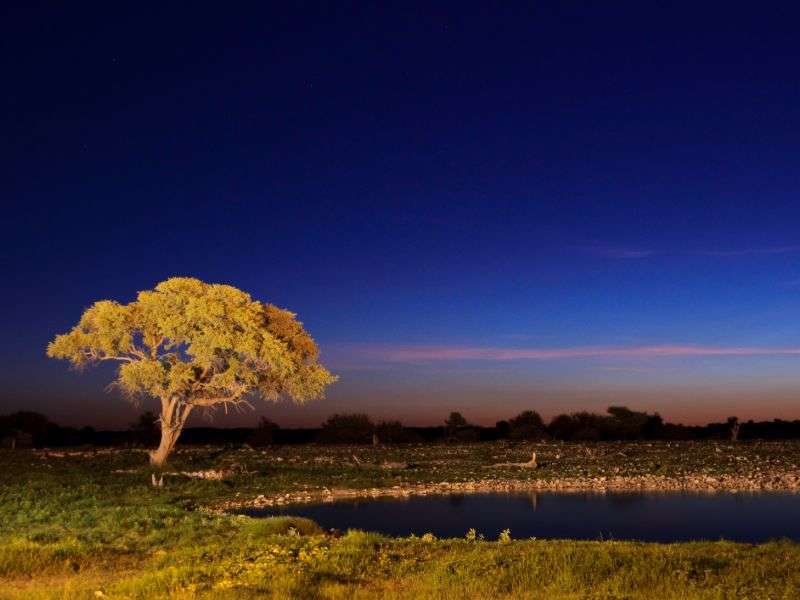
{"x": 652, "y": 517}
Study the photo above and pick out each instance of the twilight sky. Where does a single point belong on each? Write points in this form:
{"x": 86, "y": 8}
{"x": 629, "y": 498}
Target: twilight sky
{"x": 470, "y": 209}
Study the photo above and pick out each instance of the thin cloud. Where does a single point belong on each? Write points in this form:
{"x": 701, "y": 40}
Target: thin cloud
{"x": 629, "y": 369}
{"x": 424, "y": 354}
{"x": 615, "y": 252}
{"x": 752, "y": 251}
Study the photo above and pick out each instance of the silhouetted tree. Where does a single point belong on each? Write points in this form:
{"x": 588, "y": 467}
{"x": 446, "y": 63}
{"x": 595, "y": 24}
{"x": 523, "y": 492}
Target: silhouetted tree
{"x": 347, "y": 429}
{"x": 627, "y": 424}
{"x": 393, "y": 432}
{"x": 454, "y": 422}
{"x": 621, "y": 423}
{"x": 264, "y": 433}
{"x": 590, "y": 427}
{"x": 527, "y": 425}
{"x": 503, "y": 430}
{"x": 458, "y": 429}
{"x": 41, "y": 431}
{"x": 654, "y": 427}
{"x": 562, "y": 427}
{"x": 579, "y": 426}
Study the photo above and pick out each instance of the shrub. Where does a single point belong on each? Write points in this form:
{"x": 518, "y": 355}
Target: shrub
{"x": 503, "y": 430}
{"x": 393, "y": 432}
{"x": 264, "y": 434}
{"x": 347, "y": 429}
{"x": 527, "y": 425}
{"x": 457, "y": 429}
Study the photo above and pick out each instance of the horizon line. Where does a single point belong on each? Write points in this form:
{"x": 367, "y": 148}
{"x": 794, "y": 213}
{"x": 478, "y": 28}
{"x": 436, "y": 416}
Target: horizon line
{"x": 435, "y": 353}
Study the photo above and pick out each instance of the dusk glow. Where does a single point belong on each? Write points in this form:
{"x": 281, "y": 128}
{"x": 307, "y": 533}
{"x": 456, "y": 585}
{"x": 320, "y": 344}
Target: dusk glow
{"x": 583, "y": 210}
{"x": 425, "y": 354}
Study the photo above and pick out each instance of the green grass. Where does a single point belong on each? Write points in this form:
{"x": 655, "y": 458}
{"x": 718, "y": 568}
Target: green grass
{"x": 92, "y": 525}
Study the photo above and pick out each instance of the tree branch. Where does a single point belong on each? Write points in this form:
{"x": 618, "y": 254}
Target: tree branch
{"x": 154, "y": 348}
{"x": 91, "y": 355}
{"x": 234, "y": 398}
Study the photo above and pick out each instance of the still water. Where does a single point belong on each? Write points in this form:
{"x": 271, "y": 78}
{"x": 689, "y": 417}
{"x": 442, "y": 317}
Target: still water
{"x": 664, "y": 517}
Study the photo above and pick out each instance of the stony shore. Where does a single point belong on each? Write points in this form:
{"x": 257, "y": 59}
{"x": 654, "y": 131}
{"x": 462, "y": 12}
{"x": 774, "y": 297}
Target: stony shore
{"x": 762, "y": 482}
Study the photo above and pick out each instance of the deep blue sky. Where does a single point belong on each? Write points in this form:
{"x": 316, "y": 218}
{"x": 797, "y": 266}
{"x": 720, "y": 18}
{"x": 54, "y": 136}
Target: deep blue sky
{"x": 607, "y": 190}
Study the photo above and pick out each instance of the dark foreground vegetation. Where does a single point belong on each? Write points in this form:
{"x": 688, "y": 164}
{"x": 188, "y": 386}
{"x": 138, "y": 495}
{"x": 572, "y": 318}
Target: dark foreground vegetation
{"x": 30, "y": 429}
{"x": 90, "y": 524}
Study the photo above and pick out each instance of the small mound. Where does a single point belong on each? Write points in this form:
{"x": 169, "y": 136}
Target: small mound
{"x": 286, "y": 526}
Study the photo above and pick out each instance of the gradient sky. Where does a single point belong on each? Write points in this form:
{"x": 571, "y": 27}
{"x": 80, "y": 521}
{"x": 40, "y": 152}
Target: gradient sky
{"x": 558, "y": 207}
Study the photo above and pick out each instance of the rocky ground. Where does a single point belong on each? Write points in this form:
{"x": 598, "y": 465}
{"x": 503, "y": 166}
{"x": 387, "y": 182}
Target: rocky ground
{"x": 287, "y": 474}
{"x": 325, "y": 473}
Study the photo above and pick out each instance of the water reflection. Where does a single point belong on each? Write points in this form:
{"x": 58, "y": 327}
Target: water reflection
{"x": 456, "y": 500}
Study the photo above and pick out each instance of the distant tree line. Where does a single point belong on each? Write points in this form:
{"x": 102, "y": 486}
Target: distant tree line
{"x": 29, "y": 429}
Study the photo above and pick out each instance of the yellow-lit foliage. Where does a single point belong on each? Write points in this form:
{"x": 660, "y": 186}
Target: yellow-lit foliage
{"x": 197, "y": 345}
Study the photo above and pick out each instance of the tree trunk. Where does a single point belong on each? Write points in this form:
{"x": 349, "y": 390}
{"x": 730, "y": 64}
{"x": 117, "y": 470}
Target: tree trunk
{"x": 173, "y": 415}
{"x": 168, "y": 438}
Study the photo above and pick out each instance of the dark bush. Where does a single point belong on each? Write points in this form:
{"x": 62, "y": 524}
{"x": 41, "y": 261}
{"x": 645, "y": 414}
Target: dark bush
{"x": 264, "y": 433}
{"x": 527, "y": 425}
{"x": 458, "y": 429}
{"x": 41, "y": 430}
{"x": 583, "y": 426}
{"x": 347, "y": 429}
{"x": 454, "y": 422}
{"x": 502, "y": 430}
{"x": 393, "y": 432}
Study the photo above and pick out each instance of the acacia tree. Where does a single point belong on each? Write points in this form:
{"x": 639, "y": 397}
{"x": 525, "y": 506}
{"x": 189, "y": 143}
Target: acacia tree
{"x": 527, "y": 425}
{"x": 453, "y": 424}
{"x": 194, "y": 345}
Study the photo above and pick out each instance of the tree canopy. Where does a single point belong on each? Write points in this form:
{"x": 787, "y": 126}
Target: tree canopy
{"x": 197, "y": 345}
{"x": 527, "y": 425}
